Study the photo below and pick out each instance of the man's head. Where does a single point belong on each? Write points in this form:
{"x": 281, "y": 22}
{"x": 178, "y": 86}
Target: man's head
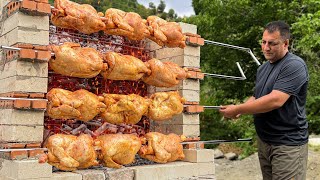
{"x": 275, "y": 40}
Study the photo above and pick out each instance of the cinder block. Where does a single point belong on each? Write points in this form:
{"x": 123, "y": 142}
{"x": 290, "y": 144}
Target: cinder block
{"x": 24, "y": 35}
{"x": 173, "y": 52}
{"x": 190, "y": 28}
{"x": 190, "y": 95}
{"x": 187, "y": 119}
{"x": 24, "y": 84}
{"x": 91, "y": 174}
{"x": 14, "y": 133}
{"x": 117, "y": 174}
{"x": 186, "y": 84}
{"x": 206, "y": 168}
{"x": 187, "y": 130}
{"x": 24, "y": 169}
{"x": 64, "y": 176}
{"x": 20, "y": 19}
{"x": 184, "y": 60}
{"x": 199, "y": 155}
{"x": 24, "y": 68}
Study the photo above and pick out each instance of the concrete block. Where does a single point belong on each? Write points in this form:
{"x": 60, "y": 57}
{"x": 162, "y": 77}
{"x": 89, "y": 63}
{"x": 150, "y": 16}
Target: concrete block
{"x": 184, "y": 60}
{"x": 25, "y": 35}
{"x": 187, "y": 119}
{"x": 199, "y": 155}
{"x": 190, "y": 95}
{"x": 187, "y": 130}
{"x": 24, "y": 84}
{"x": 24, "y": 169}
{"x": 91, "y": 174}
{"x": 186, "y": 84}
{"x": 172, "y": 170}
{"x": 21, "y": 117}
{"x": 173, "y": 52}
{"x": 24, "y": 68}
{"x": 190, "y": 28}
{"x": 116, "y": 174}
{"x": 20, "y": 19}
{"x": 64, "y": 176}
{"x": 14, "y": 133}
{"x": 206, "y": 168}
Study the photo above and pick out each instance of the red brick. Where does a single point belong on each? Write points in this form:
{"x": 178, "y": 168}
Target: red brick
{"x": 194, "y": 109}
{"x": 36, "y": 95}
{"x": 191, "y": 103}
{"x": 24, "y": 46}
{"x": 192, "y": 35}
{"x": 20, "y": 95}
{"x": 193, "y": 146}
{"x": 200, "y": 41}
{"x": 42, "y": 48}
{"x": 44, "y": 8}
{"x": 33, "y": 145}
{"x": 30, "y": 5}
{"x": 193, "y": 40}
{"x": 2, "y": 104}
{"x": 18, "y": 155}
{"x": 22, "y": 104}
{"x": 27, "y": 54}
{"x": 12, "y": 145}
{"x": 39, "y": 104}
{"x": 44, "y": 55}
{"x": 35, "y": 153}
{"x": 8, "y": 104}
{"x": 44, "y": 1}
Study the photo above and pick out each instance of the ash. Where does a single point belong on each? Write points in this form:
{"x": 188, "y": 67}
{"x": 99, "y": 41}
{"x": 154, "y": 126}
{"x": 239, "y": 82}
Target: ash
{"x": 139, "y": 162}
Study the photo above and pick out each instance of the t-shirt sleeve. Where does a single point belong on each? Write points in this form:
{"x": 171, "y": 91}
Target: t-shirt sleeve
{"x": 291, "y": 78}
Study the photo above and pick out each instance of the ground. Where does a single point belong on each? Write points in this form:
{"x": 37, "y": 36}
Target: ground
{"x": 249, "y": 169}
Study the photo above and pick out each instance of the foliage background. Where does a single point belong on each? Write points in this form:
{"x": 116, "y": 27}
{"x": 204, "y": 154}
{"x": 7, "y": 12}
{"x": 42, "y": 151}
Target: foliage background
{"x": 240, "y": 22}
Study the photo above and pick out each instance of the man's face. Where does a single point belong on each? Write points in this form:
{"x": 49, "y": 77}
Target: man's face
{"x": 273, "y": 46}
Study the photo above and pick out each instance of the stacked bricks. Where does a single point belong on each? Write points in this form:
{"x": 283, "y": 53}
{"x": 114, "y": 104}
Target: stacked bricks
{"x": 23, "y": 74}
{"x": 187, "y": 123}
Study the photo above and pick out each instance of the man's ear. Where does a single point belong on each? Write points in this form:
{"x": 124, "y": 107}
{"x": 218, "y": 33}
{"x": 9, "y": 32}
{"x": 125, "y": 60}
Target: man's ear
{"x": 286, "y": 42}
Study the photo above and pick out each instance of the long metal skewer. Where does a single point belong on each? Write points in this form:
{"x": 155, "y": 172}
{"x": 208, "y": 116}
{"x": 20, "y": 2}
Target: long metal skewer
{"x": 243, "y": 77}
{"x": 10, "y": 150}
{"x": 218, "y": 141}
{"x": 13, "y": 98}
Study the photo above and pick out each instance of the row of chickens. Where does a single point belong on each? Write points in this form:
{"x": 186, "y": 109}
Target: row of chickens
{"x": 86, "y": 19}
{"x": 72, "y": 60}
{"x": 113, "y": 108}
{"x": 68, "y": 152}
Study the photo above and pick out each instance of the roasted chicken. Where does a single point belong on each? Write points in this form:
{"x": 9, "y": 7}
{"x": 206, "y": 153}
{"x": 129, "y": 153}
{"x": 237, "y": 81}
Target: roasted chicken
{"x": 117, "y": 149}
{"x": 164, "y": 105}
{"x": 164, "y": 74}
{"x": 162, "y": 148}
{"x": 165, "y": 33}
{"x": 81, "y": 104}
{"x": 71, "y": 15}
{"x": 68, "y": 152}
{"x": 124, "y": 67}
{"x": 124, "y": 108}
{"x": 128, "y": 24}
{"x": 72, "y": 60}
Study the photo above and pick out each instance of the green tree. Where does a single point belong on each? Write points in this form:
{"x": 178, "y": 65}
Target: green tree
{"x": 161, "y": 7}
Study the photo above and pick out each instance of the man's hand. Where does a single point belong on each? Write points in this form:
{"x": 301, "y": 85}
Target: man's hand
{"x": 229, "y": 111}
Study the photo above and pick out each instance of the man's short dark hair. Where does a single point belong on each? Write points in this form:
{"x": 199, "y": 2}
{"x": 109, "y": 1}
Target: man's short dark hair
{"x": 280, "y": 26}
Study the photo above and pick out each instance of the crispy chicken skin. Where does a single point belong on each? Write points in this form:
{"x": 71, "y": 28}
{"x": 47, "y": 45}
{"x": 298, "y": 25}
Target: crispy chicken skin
{"x": 81, "y": 104}
{"x": 164, "y": 74}
{"x": 128, "y": 24}
{"x": 165, "y": 33}
{"x": 69, "y": 153}
{"x": 124, "y": 108}
{"x": 117, "y": 149}
{"x": 124, "y": 67}
{"x": 164, "y": 105}
{"x": 71, "y": 15}
{"x": 162, "y": 148}
{"x": 72, "y": 60}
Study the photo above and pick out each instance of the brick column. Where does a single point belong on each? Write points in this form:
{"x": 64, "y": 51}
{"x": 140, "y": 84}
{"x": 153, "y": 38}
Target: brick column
{"x": 23, "y": 74}
{"x": 185, "y": 123}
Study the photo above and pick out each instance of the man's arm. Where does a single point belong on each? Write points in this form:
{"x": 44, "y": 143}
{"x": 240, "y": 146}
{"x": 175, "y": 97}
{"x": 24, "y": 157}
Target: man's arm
{"x": 264, "y": 104}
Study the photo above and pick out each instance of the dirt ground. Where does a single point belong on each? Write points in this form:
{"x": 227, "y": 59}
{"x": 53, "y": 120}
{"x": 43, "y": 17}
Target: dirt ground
{"x": 249, "y": 169}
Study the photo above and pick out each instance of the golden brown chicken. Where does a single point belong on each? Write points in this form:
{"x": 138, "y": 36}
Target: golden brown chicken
{"x": 71, "y": 15}
{"x": 118, "y": 149}
{"x": 164, "y": 74}
{"x": 127, "y": 24}
{"x": 165, "y": 33}
{"x": 162, "y": 148}
{"x": 164, "y": 105}
{"x": 124, "y": 67}
{"x": 72, "y": 60}
{"x": 81, "y": 104}
{"x": 124, "y": 108}
{"x": 68, "y": 152}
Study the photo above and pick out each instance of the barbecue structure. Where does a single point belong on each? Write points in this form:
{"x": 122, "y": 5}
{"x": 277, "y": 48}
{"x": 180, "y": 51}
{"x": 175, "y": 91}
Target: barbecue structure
{"x": 116, "y": 107}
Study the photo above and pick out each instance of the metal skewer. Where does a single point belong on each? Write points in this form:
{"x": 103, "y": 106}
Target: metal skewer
{"x": 13, "y": 98}
{"x": 218, "y": 141}
{"x": 26, "y": 149}
{"x": 243, "y": 77}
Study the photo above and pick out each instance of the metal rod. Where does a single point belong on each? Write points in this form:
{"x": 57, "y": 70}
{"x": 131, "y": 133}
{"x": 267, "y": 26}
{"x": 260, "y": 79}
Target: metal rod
{"x": 212, "y": 107}
{"x": 23, "y": 149}
{"x": 248, "y": 50}
{"x": 243, "y": 77}
{"x": 12, "y": 98}
{"x": 218, "y": 141}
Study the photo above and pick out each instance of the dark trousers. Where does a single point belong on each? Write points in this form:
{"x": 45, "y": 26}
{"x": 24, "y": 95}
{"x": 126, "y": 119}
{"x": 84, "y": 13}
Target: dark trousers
{"x": 282, "y": 162}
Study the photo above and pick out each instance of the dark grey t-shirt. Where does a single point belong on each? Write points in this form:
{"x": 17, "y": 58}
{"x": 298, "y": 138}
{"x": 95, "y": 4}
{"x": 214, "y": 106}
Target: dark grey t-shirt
{"x": 286, "y": 125}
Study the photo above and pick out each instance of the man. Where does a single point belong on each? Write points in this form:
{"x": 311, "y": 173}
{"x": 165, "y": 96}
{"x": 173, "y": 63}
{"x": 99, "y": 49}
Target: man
{"x": 278, "y": 106}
